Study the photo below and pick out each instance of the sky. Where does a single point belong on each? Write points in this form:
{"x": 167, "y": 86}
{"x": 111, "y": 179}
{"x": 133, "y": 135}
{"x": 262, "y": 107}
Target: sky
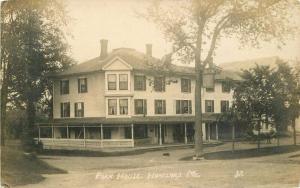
{"x": 117, "y": 21}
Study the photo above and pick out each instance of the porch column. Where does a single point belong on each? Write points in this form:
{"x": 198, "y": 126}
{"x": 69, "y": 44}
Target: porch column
{"x": 84, "y": 135}
{"x": 208, "y": 131}
{"x": 217, "y": 132}
{"x": 68, "y": 136}
{"x": 101, "y": 134}
{"x": 52, "y": 132}
{"x": 185, "y": 137}
{"x": 39, "y": 129}
{"x": 160, "y": 141}
{"x": 132, "y": 135}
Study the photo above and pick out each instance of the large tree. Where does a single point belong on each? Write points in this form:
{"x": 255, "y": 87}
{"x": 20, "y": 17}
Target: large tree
{"x": 195, "y": 28}
{"x": 33, "y": 45}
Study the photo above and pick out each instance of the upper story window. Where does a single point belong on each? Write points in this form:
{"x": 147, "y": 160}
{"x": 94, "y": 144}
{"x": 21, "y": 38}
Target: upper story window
{"x": 225, "y": 87}
{"x": 139, "y": 83}
{"x": 112, "y": 82}
{"x": 123, "y": 81}
{"x": 82, "y": 85}
{"x": 209, "y": 106}
{"x": 212, "y": 89}
{"x": 140, "y": 106}
{"x": 112, "y": 106}
{"x": 123, "y": 106}
{"x": 160, "y": 106}
{"x": 224, "y": 106}
{"x": 79, "y": 109}
{"x": 183, "y": 106}
{"x": 64, "y": 87}
{"x": 185, "y": 85}
{"x": 65, "y": 109}
{"x": 159, "y": 83}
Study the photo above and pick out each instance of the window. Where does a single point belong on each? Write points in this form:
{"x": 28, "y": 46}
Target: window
{"x": 224, "y": 106}
{"x": 160, "y": 106}
{"x": 139, "y": 83}
{"x": 123, "y": 82}
{"x": 123, "y": 106}
{"x": 209, "y": 106}
{"x": 225, "y": 87}
{"x": 183, "y": 106}
{"x": 212, "y": 89}
{"x": 82, "y": 85}
{"x": 64, "y": 87}
{"x": 159, "y": 83}
{"x": 112, "y": 106}
{"x": 140, "y": 106}
{"x": 65, "y": 109}
{"x": 112, "y": 81}
{"x": 185, "y": 85}
{"x": 141, "y": 131}
{"x": 79, "y": 109}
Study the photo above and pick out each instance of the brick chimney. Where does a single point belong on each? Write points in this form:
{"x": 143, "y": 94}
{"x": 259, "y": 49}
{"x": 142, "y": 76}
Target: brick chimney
{"x": 103, "y": 53}
{"x": 149, "y": 50}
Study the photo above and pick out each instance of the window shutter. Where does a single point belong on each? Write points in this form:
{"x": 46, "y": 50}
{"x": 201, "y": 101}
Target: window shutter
{"x": 144, "y": 88}
{"x": 145, "y": 107}
{"x": 213, "y": 106}
{"x": 76, "y": 109}
{"x": 190, "y": 107}
{"x": 82, "y": 106}
{"x": 61, "y": 110}
{"x": 61, "y": 87}
{"x": 79, "y": 91}
{"x": 86, "y": 85}
{"x": 164, "y": 106}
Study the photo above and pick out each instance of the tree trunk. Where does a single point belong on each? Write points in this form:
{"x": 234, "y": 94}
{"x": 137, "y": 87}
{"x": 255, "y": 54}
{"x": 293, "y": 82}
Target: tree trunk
{"x": 28, "y": 135}
{"x": 4, "y": 91}
{"x": 233, "y": 137}
{"x": 277, "y": 135}
{"x": 294, "y": 131}
{"x": 258, "y": 135}
{"x": 198, "y": 116}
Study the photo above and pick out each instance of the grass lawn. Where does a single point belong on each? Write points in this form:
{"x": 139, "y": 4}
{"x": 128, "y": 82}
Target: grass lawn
{"x": 19, "y": 168}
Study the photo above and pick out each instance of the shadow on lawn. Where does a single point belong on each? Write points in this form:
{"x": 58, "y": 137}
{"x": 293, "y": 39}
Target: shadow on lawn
{"x": 247, "y": 153}
{"x": 19, "y": 168}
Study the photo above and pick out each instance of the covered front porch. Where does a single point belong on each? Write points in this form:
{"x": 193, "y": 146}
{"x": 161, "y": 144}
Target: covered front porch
{"x": 118, "y": 133}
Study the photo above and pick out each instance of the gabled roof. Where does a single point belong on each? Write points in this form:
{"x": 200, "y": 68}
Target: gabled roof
{"x": 238, "y": 66}
{"x": 140, "y": 62}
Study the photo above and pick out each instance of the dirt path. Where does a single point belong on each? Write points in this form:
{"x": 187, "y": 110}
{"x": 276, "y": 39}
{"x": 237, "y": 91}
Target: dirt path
{"x": 152, "y": 169}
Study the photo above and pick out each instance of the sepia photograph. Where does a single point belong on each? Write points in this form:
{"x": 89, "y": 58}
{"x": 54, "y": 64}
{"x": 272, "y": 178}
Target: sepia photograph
{"x": 150, "y": 93}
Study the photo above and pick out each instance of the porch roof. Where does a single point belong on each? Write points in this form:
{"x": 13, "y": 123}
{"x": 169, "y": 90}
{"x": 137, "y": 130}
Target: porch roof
{"x": 134, "y": 119}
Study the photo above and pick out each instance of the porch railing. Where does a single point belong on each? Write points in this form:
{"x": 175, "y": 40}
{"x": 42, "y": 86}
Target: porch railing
{"x": 49, "y": 143}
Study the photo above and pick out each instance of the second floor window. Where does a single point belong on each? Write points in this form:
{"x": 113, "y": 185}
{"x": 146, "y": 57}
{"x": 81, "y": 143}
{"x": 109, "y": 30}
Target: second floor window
{"x": 112, "y": 82}
{"x": 185, "y": 85}
{"x": 79, "y": 109}
{"x": 82, "y": 85}
{"x": 160, "y": 106}
{"x": 123, "y": 82}
{"x": 64, "y": 87}
{"x": 123, "y": 106}
{"x": 139, "y": 83}
{"x": 112, "y": 106}
{"x": 140, "y": 106}
{"x": 183, "y": 106}
{"x": 212, "y": 89}
{"x": 159, "y": 84}
{"x": 224, "y": 106}
{"x": 209, "y": 106}
{"x": 65, "y": 109}
{"x": 225, "y": 87}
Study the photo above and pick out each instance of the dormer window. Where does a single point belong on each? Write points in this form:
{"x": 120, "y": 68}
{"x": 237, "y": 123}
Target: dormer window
{"x": 123, "y": 81}
{"x": 112, "y": 81}
{"x": 82, "y": 85}
{"x": 64, "y": 87}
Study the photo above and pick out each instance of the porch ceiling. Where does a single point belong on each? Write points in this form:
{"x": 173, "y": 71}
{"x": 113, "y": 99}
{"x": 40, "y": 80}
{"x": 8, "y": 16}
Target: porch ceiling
{"x": 134, "y": 119}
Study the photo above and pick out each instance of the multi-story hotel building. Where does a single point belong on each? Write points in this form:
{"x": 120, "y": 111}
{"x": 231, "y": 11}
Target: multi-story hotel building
{"x": 125, "y": 98}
